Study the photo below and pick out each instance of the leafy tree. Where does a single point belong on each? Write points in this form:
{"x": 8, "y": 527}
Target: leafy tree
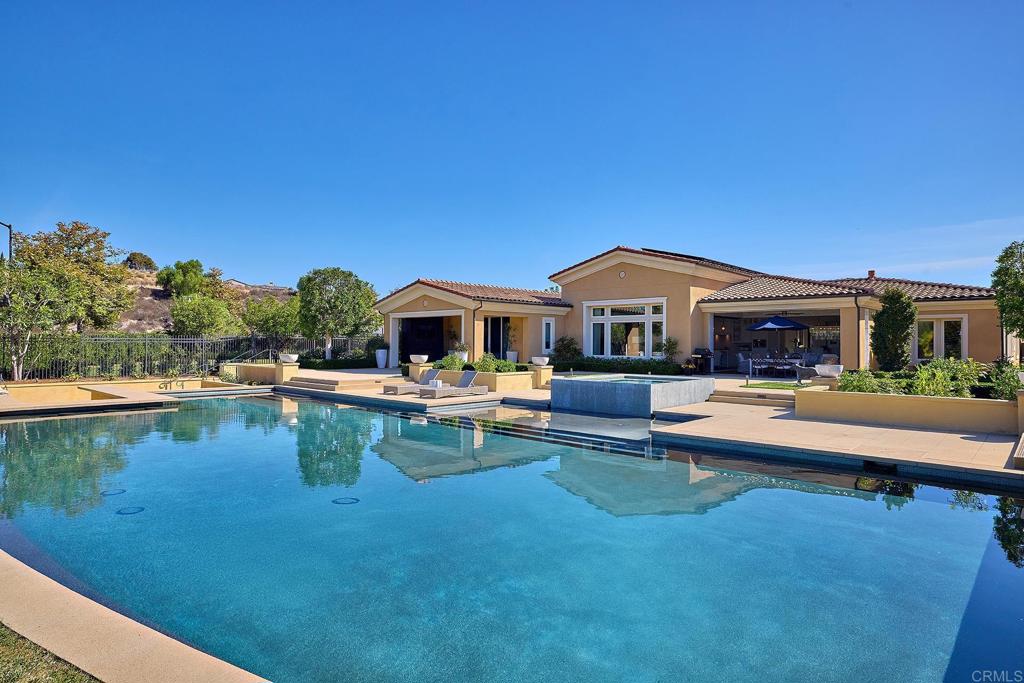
{"x": 1008, "y": 281}
{"x": 336, "y": 303}
{"x": 196, "y": 315}
{"x": 1008, "y": 527}
{"x": 274, "y": 319}
{"x": 34, "y": 300}
{"x": 893, "y": 330}
{"x": 184, "y": 278}
{"x": 139, "y": 261}
{"x": 80, "y": 253}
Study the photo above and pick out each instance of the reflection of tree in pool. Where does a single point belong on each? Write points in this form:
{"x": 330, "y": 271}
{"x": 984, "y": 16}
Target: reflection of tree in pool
{"x": 895, "y": 494}
{"x": 193, "y": 421}
{"x": 59, "y": 464}
{"x": 331, "y": 443}
{"x": 1008, "y": 527}
{"x": 968, "y": 500}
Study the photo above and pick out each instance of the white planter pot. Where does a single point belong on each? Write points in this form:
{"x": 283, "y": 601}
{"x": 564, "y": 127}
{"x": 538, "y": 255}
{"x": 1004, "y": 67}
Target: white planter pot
{"x": 288, "y": 357}
{"x": 418, "y": 358}
{"x": 464, "y": 355}
{"x": 539, "y": 360}
{"x": 382, "y": 358}
{"x": 512, "y": 356}
{"x": 829, "y": 370}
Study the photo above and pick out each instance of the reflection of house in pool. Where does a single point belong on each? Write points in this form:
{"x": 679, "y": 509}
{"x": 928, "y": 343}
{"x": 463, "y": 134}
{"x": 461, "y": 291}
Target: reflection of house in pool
{"x": 624, "y": 485}
{"x": 420, "y": 453}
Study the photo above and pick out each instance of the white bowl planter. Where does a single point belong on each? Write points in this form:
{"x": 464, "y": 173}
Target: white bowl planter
{"x": 288, "y": 357}
{"x": 829, "y": 370}
{"x": 512, "y": 356}
{"x": 539, "y": 360}
{"x": 464, "y": 355}
{"x": 418, "y": 358}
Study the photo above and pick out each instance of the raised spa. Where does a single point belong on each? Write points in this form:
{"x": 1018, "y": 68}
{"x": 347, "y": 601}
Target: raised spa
{"x": 632, "y": 395}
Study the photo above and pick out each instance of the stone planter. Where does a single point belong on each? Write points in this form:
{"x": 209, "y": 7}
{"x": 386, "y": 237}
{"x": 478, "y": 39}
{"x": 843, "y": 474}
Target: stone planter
{"x": 512, "y": 356}
{"x": 382, "y": 358}
{"x": 420, "y": 358}
{"x": 539, "y": 360}
{"x": 828, "y": 370}
{"x": 288, "y": 357}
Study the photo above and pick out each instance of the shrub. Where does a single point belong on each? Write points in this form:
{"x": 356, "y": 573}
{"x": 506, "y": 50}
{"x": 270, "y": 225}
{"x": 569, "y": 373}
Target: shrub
{"x": 461, "y": 347}
{"x": 566, "y": 349}
{"x": 1005, "y": 380}
{"x": 374, "y": 343}
{"x": 865, "y": 382}
{"x": 893, "y": 330}
{"x": 504, "y": 366}
{"x": 486, "y": 363}
{"x": 404, "y": 368}
{"x": 450, "y": 362}
{"x": 638, "y": 366}
{"x": 669, "y": 347}
{"x": 228, "y": 377}
{"x": 946, "y": 377}
{"x": 356, "y": 359}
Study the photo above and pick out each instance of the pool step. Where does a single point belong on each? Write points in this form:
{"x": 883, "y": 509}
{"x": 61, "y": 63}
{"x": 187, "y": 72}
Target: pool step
{"x": 323, "y": 384}
{"x": 777, "y": 399}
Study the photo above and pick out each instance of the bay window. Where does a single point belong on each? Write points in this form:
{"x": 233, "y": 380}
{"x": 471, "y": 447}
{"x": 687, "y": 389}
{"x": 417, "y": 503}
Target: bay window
{"x": 626, "y": 328}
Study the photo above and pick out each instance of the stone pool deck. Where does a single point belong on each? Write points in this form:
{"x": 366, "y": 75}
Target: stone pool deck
{"x": 763, "y": 430}
{"x": 98, "y": 640}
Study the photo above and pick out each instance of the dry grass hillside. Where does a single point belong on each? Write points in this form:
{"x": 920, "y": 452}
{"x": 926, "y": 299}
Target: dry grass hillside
{"x": 152, "y": 309}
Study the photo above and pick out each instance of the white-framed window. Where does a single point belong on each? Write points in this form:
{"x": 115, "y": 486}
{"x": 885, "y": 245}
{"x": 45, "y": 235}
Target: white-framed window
{"x": 624, "y": 328}
{"x": 939, "y": 336}
{"x": 547, "y": 336}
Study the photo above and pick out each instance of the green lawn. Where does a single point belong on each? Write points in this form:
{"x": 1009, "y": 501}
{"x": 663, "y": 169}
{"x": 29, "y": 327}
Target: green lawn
{"x": 22, "y": 661}
{"x": 775, "y": 385}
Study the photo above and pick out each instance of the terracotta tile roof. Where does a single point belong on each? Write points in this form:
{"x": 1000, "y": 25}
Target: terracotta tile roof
{"x": 782, "y": 287}
{"x": 477, "y": 292}
{"x": 918, "y": 290}
{"x": 668, "y": 255}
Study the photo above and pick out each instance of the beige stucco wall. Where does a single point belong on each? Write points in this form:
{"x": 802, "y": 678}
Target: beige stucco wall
{"x": 984, "y": 335}
{"x": 932, "y": 412}
{"x": 682, "y": 291}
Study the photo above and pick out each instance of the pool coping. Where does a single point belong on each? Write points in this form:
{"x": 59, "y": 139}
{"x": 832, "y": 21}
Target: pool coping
{"x": 96, "y": 639}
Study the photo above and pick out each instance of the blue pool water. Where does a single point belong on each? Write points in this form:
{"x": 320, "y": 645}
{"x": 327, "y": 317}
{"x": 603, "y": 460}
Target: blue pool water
{"x": 308, "y": 542}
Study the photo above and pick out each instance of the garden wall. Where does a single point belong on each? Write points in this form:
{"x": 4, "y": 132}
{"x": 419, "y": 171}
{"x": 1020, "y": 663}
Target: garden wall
{"x": 931, "y": 412}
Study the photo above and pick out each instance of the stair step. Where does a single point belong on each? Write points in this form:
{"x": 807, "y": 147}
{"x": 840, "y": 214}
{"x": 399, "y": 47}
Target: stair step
{"x": 757, "y": 393}
{"x": 753, "y": 400}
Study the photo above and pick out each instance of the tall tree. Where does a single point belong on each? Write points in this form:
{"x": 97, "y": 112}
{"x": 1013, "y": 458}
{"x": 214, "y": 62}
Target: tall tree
{"x": 276, "y": 320}
{"x": 336, "y": 303}
{"x": 34, "y": 300}
{"x": 1008, "y": 281}
{"x": 893, "y": 330}
{"x": 139, "y": 261}
{"x": 79, "y": 252}
{"x": 183, "y": 278}
{"x": 200, "y": 315}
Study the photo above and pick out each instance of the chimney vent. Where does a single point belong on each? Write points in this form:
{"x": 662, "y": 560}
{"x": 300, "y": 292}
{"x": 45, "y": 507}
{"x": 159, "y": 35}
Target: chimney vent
{"x": 871, "y": 274}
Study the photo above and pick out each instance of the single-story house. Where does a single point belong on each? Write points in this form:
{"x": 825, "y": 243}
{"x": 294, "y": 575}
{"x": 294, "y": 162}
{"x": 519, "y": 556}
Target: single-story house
{"x": 625, "y": 301}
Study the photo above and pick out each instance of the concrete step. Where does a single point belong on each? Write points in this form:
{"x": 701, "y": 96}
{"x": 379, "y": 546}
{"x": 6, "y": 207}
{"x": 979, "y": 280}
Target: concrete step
{"x": 753, "y": 400}
{"x": 779, "y": 394}
{"x": 324, "y": 384}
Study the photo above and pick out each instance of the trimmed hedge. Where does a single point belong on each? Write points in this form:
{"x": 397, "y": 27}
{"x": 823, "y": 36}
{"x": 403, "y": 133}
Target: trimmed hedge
{"x": 337, "y": 363}
{"x": 635, "y": 366}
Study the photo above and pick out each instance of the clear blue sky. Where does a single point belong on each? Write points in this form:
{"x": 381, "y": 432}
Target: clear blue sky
{"x": 504, "y": 141}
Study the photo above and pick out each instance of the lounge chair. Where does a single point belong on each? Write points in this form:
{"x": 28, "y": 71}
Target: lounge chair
{"x": 411, "y": 387}
{"x": 463, "y": 388}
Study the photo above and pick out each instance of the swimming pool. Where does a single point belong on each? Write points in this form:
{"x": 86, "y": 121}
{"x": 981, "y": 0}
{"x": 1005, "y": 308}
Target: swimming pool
{"x": 311, "y": 542}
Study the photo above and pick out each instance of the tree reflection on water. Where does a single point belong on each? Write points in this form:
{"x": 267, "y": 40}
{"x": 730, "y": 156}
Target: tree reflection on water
{"x": 330, "y": 444}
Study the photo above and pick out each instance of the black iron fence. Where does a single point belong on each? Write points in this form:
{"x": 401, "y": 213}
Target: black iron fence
{"x": 70, "y": 356}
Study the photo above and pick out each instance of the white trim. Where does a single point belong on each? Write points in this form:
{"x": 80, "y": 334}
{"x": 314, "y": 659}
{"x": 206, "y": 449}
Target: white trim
{"x": 544, "y": 349}
{"x": 393, "y": 360}
{"x": 647, "y": 318}
{"x": 939, "y": 338}
{"x": 390, "y": 303}
{"x": 865, "y": 349}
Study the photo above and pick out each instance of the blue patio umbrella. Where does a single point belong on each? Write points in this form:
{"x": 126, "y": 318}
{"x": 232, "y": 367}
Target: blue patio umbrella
{"x": 777, "y": 322}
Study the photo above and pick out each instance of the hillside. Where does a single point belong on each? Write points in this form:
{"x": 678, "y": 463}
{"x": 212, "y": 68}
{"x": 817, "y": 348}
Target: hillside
{"x": 152, "y": 309}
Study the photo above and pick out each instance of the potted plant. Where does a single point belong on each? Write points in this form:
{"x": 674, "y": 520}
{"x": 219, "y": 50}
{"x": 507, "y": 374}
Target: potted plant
{"x": 379, "y": 348}
{"x": 510, "y": 335}
{"x": 461, "y": 350}
{"x": 287, "y": 355}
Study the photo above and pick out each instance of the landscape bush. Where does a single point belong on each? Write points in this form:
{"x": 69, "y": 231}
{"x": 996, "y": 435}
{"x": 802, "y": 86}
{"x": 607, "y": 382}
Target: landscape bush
{"x": 355, "y": 359}
{"x": 450, "y": 362}
{"x": 942, "y": 377}
{"x": 566, "y": 349}
{"x": 1004, "y": 380}
{"x": 636, "y": 366}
